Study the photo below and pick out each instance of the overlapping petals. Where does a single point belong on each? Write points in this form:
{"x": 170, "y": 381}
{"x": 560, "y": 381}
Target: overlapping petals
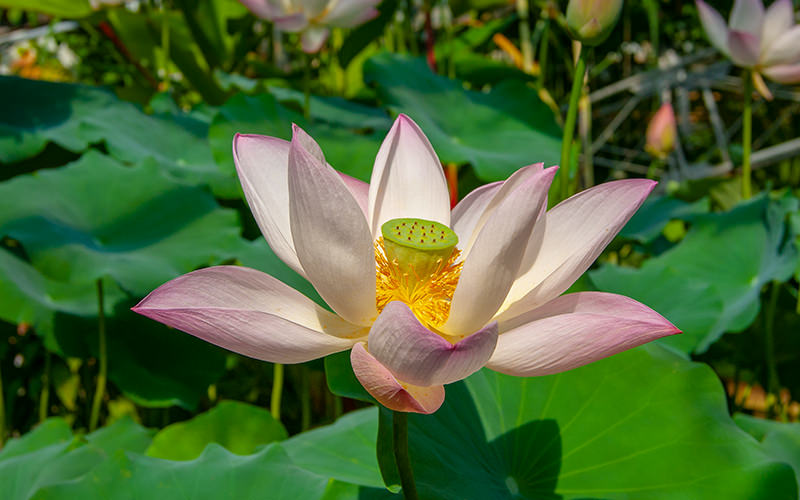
{"x": 765, "y": 40}
{"x": 505, "y": 312}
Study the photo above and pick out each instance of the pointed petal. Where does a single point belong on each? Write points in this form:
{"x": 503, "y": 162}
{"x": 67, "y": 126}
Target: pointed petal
{"x": 262, "y": 9}
{"x": 783, "y": 73}
{"x": 573, "y": 234}
{"x": 785, "y": 49}
{"x": 249, "y": 312}
{"x": 360, "y": 191}
{"x": 778, "y": 19}
{"x": 475, "y": 210}
{"x": 331, "y": 236}
{"x": 574, "y": 330}
{"x": 351, "y": 13}
{"x": 407, "y": 179}
{"x": 391, "y": 393}
{"x": 262, "y": 164}
{"x": 417, "y": 355}
{"x": 747, "y": 16}
{"x": 493, "y": 262}
{"x": 313, "y": 38}
{"x": 291, "y": 23}
{"x": 714, "y": 26}
{"x": 745, "y": 48}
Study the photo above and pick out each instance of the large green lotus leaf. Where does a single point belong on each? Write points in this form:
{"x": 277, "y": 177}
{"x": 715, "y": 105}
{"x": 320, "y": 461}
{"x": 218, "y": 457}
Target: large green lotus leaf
{"x": 346, "y": 150}
{"x": 77, "y": 116}
{"x": 239, "y": 427}
{"x": 216, "y": 475}
{"x": 95, "y": 218}
{"x": 643, "y": 424}
{"x": 730, "y": 255}
{"x": 648, "y": 222}
{"x": 497, "y": 131}
{"x": 124, "y": 434}
{"x": 336, "y": 110}
{"x": 27, "y": 296}
{"x": 57, "y": 8}
{"x": 780, "y": 440}
{"x": 51, "y": 431}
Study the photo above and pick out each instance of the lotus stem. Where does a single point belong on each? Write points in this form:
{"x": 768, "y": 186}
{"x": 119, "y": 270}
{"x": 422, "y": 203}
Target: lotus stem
{"x": 569, "y": 123}
{"x": 747, "y": 134}
{"x": 103, "y": 358}
{"x": 401, "y": 456}
{"x": 44, "y": 398}
{"x": 409, "y": 22}
{"x": 305, "y": 398}
{"x": 2, "y": 412}
{"x": 307, "y": 87}
{"x": 277, "y": 391}
{"x": 543, "y": 46}
{"x": 773, "y": 385}
{"x": 525, "y": 43}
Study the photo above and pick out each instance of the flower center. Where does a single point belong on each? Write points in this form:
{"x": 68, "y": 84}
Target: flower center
{"x": 416, "y": 263}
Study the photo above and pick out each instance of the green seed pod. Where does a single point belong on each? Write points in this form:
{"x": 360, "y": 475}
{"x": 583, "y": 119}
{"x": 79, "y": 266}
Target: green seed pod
{"x": 420, "y": 247}
{"x": 591, "y": 21}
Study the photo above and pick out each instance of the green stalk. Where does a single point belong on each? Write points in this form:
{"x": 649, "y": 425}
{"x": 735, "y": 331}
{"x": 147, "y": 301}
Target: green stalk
{"x": 103, "y": 357}
{"x": 2, "y": 412}
{"x": 525, "y": 35}
{"x": 773, "y": 385}
{"x": 401, "y": 456}
{"x": 277, "y": 391}
{"x": 44, "y": 398}
{"x": 569, "y": 123}
{"x": 747, "y": 134}
{"x": 412, "y": 37}
{"x": 307, "y": 86}
{"x": 543, "y": 55}
{"x": 305, "y": 398}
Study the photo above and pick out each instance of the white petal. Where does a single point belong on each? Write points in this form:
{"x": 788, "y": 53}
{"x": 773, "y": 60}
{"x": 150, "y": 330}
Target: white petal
{"x": 777, "y": 20}
{"x": 407, "y": 179}
{"x": 747, "y": 15}
{"x": 313, "y": 38}
{"x": 785, "y": 49}
{"x": 714, "y": 26}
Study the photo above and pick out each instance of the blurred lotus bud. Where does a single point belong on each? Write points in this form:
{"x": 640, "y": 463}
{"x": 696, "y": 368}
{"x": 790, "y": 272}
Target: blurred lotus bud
{"x": 661, "y": 132}
{"x": 591, "y": 21}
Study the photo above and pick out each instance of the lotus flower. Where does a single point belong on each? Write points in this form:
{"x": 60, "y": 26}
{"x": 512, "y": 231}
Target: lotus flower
{"x": 661, "y": 132}
{"x": 423, "y": 296}
{"x": 312, "y": 17}
{"x": 768, "y": 42}
{"x": 591, "y": 21}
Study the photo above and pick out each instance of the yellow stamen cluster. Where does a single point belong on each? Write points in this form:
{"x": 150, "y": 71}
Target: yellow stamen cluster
{"x": 428, "y": 297}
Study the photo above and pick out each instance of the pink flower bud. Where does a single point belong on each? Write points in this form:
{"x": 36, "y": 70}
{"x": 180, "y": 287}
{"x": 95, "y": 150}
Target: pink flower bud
{"x": 661, "y": 132}
{"x": 591, "y": 21}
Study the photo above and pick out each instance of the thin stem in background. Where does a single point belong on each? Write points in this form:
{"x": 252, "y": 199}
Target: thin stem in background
{"x": 44, "y": 398}
{"x": 277, "y": 391}
{"x": 543, "y": 46}
{"x": 103, "y": 358}
{"x": 773, "y": 384}
{"x": 526, "y": 45}
{"x": 307, "y": 86}
{"x": 569, "y": 123}
{"x": 747, "y": 135}
{"x": 305, "y": 398}
{"x": 2, "y": 412}
{"x": 401, "y": 456}
{"x": 409, "y": 24}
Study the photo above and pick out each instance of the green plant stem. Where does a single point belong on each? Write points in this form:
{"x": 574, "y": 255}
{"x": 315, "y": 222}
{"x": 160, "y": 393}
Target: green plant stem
{"x": 401, "y": 456}
{"x": 773, "y": 385}
{"x": 747, "y": 134}
{"x": 2, "y": 412}
{"x": 44, "y": 398}
{"x": 277, "y": 391}
{"x": 103, "y": 358}
{"x": 569, "y": 123}
{"x": 543, "y": 46}
{"x": 307, "y": 86}
{"x": 412, "y": 37}
{"x": 525, "y": 43}
{"x": 305, "y": 398}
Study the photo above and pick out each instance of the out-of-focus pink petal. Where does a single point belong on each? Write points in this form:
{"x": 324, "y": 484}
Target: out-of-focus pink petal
{"x": 263, "y": 9}
{"x": 249, "y": 312}
{"x": 778, "y": 19}
{"x": 291, "y": 23}
{"x": 351, "y": 13}
{"x": 783, "y": 73}
{"x": 263, "y": 164}
{"x": 391, "y": 393}
{"x": 747, "y": 16}
{"x": 745, "y": 48}
{"x": 331, "y": 235}
{"x": 313, "y": 38}
{"x": 468, "y": 211}
{"x": 417, "y": 355}
{"x": 714, "y": 26}
{"x": 407, "y": 179}
{"x": 569, "y": 239}
{"x": 360, "y": 191}
{"x": 784, "y": 50}
{"x": 494, "y": 259}
{"x": 574, "y": 330}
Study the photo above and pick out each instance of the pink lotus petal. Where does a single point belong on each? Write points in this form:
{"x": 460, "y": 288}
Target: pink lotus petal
{"x": 394, "y": 395}
{"x": 249, "y": 312}
{"x": 493, "y": 261}
{"x": 262, "y": 164}
{"x": 407, "y": 179}
{"x": 468, "y": 212}
{"x": 784, "y": 50}
{"x": 351, "y": 13}
{"x": 747, "y": 16}
{"x": 714, "y": 26}
{"x": 313, "y": 38}
{"x": 778, "y": 19}
{"x": 574, "y": 330}
{"x": 330, "y": 235}
{"x": 783, "y": 73}
{"x": 417, "y": 355}
{"x": 262, "y": 8}
{"x": 744, "y": 48}
{"x": 291, "y": 23}
{"x": 569, "y": 239}
{"x": 360, "y": 191}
